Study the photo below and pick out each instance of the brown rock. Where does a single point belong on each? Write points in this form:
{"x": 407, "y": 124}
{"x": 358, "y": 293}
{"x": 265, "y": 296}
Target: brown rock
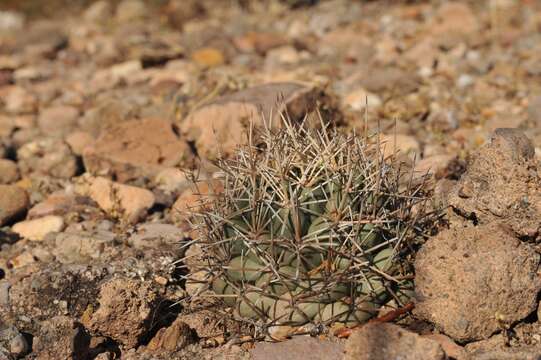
{"x": 496, "y": 348}
{"x": 483, "y": 268}
{"x": 37, "y": 229}
{"x": 18, "y": 100}
{"x": 61, "y": 337}
{"x": 125, "y": 312}
{"x": 98, "y": 12}
{"x": 218, "y": 127}
{"x": 260, "y": 42}
{"x": 108, "y": 112}
{"x": 192, "y": 199}
{"x": 375, "y": 341}
{"x": 300, "y": 347}
{"x": 134, "y": 149}
{"x": 7, "y": 125}
{"x": 401, "y": 143}
{"x": 502, "y": 183}
{"x": 47, "y": 156}
{"x": 51, "y": 290}
{"x": 179, "y": 13}
{"x": 14, "y": 202}
{"x": 206, "y": 323}
{"x": 390, "y": 79}
{"x": 9, "y": 173}
{"x": 451, "y": 349}
{"x": 435, "y": 165}
{"x": 79, "y": 141}
{"x": 58, "y": 203}
{"x": 130, "y": 10}
{"x": 172, "y": 338}
{"x": 208, "y": 57}
{"x": 452, "y": 23}
{"x": 129, "y": 203}
{"x": 58, "y": 120}
{"x": 81, "y": 247}
{"x": 43, "y": 39}
{"x": 172, "y": 181}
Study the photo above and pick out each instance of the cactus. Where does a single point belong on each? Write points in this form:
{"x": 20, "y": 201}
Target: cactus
{"x": 313, "y": 227}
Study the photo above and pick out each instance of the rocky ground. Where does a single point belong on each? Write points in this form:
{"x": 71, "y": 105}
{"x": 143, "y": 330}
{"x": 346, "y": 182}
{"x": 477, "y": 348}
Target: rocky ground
{"x": 103, "y": 104}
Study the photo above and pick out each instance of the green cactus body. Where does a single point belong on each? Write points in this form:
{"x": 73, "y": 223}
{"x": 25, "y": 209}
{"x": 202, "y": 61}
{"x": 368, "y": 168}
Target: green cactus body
{"x": 307, "y": 230}
{"x": 244, "y": 268}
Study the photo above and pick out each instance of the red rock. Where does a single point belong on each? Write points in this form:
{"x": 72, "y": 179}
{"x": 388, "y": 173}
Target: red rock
{"x": 383, "y": 341}
{"x": 135, "y": 149}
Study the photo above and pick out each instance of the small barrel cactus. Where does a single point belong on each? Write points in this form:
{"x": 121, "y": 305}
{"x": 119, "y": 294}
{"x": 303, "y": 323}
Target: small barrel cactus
{"x": 312, "y": 227}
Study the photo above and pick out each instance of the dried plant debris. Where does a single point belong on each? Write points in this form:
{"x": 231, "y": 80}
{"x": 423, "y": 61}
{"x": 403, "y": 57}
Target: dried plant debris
{"x": 312, "y": 227}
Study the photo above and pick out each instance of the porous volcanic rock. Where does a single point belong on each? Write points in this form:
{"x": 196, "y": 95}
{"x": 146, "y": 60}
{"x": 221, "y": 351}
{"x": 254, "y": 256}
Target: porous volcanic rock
{"x": 502, "y": 183}
{"x": 471, "y": 282}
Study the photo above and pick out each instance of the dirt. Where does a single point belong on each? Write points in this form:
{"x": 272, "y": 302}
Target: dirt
{"x": 107, "y": 106}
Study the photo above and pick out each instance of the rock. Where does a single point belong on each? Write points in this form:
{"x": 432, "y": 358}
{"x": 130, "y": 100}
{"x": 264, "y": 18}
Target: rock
{"x": 98, "y": 12}
{"x": 14, "y": 202}
{"x": 299, "y": 347}
{"x": 18, "y": 100}
{"x": 191, "y": 200}
{"x": 61, "y": 337}
{"x": 435, "y": 165}
{"x": 7, "y": 126}
{"x": 172, "y": 338}
{"x": 78, "y": 141}
{"x": 126, "y": 309}
{"x": 152, "y": 235}
{"x": 55, "y": 290}
{"x": 32, "y": 73}
{"x": 384, "y": 341}
{"x": 47, "y": 156}
{"x": 11, "y": 21}
{"x": 58, "y": 203}
{"x": 22, "y": 260}
{"x": 261, "y": 42}
{"x": 534, "y": 110}
{"x": 129, "y": 203}
{"x": 452, "y": 23}
{"x": 208, "y": 57}
{"x": 390, "y": 79}
{"x": 9, "y": 173}
{"x": 220, "y": 126}
{"x": 465, "y": 80}
{"x": 442, "y": 191}
{"x": 130, "y": 10}
{"x": 136, "y": 149}
{"x": 58, "y": 120}
{"x": 403, "y": 144}
{"x": 13, "y": 340}
{"x": 43, "y": 39}
{"x": 501, "y": 183}
{"x": 4, "y": 293}
{"x": 283, "y": 56}
{"x": 450, "y": 348}
{"x": 81, "y": 247}
{"x": 358, "y": 100}
{"x": 178, "y": 13}
{"x": 483, "y": 268}
{"x": 172, "y": 181}
{"x": 109, "y": 112}
{"x": 496, "y": 348}
{"x": 206, "y": 323}
{"x": 124, "y": 70}
{"x": 37, "y": 229}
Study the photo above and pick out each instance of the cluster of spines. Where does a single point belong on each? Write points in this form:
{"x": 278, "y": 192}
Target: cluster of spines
{"x": 310, "y": 228}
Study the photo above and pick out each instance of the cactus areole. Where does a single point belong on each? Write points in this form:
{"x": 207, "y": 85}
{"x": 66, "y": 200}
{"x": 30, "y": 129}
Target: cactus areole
{"x": 313, "y": 226}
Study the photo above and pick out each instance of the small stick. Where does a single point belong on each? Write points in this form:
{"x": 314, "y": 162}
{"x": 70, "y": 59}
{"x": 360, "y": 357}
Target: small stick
{"x": 346, "y": 332}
